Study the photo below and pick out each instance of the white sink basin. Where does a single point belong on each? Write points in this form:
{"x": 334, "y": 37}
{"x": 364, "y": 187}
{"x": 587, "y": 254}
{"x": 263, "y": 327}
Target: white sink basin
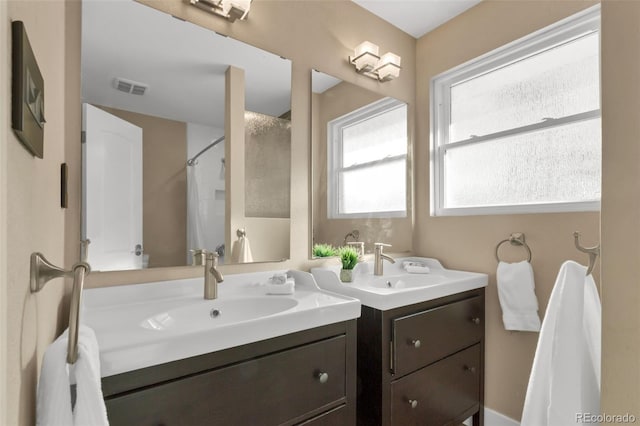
{"x": 396, "y": 287}
{"x": 217, "y": 313}
{"x": 399, "y": 282}
{"x": 141, "y": 325}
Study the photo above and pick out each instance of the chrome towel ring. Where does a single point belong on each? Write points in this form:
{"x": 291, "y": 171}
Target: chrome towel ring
{"x": 516, "y": 239}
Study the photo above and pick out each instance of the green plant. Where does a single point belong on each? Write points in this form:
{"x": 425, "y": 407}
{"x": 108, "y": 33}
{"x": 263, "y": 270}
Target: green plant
{"x": 348, "y": 257}
{"x": 324, "y": 250}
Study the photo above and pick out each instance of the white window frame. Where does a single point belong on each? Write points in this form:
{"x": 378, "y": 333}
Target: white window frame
{"x": 334, "y": 157}
{"x": 581, "y": 24}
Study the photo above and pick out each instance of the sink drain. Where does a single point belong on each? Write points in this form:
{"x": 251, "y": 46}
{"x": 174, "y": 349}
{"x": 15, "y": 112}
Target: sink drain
{"x": 215, "y": 313}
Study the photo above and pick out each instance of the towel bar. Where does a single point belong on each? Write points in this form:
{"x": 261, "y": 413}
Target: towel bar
{"x": 41, "y": 272}
{"x": 516, "y": 239}
{"x": 593, "y": 252}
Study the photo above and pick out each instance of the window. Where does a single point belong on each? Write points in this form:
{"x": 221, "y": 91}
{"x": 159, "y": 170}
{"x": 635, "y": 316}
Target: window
{"x": 367, "y": 153}
{"x": 518, "y": 130}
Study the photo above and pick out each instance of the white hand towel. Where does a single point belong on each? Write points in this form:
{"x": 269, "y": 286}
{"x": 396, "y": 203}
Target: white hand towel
{"x": 242, "y": 251}
{"x": 516, "y": 291}
{"x": 53, "y": 406}
{"x": 565, "y": 378}
{"x": 89, "y": 408}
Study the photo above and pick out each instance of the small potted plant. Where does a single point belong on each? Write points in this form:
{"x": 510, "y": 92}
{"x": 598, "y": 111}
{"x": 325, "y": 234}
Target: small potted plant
{"x": 349, "y": 258}
{"x": 324, "y": 250}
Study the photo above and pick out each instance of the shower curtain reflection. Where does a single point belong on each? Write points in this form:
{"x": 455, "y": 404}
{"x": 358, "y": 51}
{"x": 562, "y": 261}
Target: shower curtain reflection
{"x": 206, "y": 186}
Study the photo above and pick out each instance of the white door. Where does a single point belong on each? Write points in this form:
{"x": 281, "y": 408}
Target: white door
{"x": 112, "y": 190}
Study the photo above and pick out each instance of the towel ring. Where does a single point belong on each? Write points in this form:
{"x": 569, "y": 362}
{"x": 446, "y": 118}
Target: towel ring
{"x": 516, "y": 239}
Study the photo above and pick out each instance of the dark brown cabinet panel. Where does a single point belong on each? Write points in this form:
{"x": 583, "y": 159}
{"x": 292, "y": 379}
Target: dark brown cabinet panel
{"x": 425, "y": 337}
{"x": 436, "y": 394}
{"x": 307, "y": 383}
{"x": 422, "y": 364}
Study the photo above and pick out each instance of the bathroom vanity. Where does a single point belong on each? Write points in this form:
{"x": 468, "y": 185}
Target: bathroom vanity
{"x": 420, "y": 343}
{"x": 170, "y": 357}
{"x": 301, "y": 378}
{"x": 422, "y": 364}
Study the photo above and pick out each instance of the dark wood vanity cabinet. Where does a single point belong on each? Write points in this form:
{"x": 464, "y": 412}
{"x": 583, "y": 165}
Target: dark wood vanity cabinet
{"x": 422, "y": 364}
{"x": 306, "y": 378}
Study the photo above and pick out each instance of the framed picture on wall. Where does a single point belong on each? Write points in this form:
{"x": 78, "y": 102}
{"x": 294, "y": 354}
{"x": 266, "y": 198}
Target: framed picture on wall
{"x": 27, "y": 90}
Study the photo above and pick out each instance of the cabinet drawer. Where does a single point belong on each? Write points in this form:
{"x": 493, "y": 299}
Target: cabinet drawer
{"x": 441, "y": 391}
{"x": 336, "y": 417}
{"x": 425, "y": 337}
{"x": 267, "y": 391}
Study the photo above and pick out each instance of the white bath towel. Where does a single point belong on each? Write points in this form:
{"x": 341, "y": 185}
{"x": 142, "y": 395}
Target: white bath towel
{"x": 516, "y": 291}
{"x": 242, "y": 251}
{"x": 565, "y": 378}
{"x": 54, "y": 397}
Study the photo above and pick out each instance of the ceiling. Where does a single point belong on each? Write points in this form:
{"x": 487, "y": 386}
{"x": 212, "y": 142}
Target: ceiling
{"x": 417, "y": 17}
{"x": 183, "y": 64}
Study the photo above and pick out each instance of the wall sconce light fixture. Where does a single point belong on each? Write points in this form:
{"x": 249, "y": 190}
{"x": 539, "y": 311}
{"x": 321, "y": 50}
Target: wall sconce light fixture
{"x": 366, "y": 60}
{"x": 228, "y": 9}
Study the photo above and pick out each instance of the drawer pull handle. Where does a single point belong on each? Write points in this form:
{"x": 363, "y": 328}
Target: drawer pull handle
{"x": 322, "y": 377}
{"x": 475, "y": 320}
{"x": 415, "y": 343}
{"x": 413, "y": 403}
{"x": 471, "y": 370}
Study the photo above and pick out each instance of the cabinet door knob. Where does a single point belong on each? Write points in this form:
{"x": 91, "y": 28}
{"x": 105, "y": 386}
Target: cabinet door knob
{"x": 471, "y": 370}
{"x": 413, "y": 403}
{"x": 322, "y": 376}
{"x": 475, "y": 320}
{"x": 415, "y": 343}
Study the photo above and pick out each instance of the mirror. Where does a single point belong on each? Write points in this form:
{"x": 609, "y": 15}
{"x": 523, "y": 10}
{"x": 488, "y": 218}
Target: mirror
{"x": 187, "y": 143}
{"x": 360, "y": 167}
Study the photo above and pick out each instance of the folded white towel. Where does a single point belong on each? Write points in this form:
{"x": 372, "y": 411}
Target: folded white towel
{"x": 565, "y": 378}
{"x": 412, "y": 269}
{"x": 278, "y": 279}
{"x": 516, "y": 291}
{"x": 53, "y": 397}
{"x": 287, "y": 288}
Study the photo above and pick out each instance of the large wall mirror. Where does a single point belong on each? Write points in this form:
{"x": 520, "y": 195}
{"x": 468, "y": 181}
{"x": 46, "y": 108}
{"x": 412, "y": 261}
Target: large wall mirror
{"x": 187, "y": 143}
{"x": 361, "y": 166}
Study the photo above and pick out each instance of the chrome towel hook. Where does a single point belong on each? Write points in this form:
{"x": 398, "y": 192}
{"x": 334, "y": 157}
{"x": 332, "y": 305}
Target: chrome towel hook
{"x": 593, "y": 252}
{"x": 515, "y": 239}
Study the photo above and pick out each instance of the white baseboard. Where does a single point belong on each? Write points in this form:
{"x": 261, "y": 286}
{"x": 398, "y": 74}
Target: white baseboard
{"x": 493, "y": 418}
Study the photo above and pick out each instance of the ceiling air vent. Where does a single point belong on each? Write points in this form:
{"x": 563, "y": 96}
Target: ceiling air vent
{"x": 131, "y": 87}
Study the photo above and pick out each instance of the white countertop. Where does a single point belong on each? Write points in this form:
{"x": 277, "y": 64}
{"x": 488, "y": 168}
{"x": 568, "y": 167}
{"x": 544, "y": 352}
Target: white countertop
{"x": 143, "y": 325}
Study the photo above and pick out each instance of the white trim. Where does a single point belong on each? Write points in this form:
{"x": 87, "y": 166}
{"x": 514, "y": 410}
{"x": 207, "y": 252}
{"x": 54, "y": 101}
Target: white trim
{"x": 494, "y": 418}
{"x": 571, "y": 28}
{"x": 334, "y": 157}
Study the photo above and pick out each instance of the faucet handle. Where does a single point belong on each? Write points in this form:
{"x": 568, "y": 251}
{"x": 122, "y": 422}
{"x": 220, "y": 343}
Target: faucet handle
{"x": 382, "y": 245}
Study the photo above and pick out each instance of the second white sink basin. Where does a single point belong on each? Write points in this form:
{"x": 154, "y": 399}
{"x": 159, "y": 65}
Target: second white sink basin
{"x": 397, "y": 287}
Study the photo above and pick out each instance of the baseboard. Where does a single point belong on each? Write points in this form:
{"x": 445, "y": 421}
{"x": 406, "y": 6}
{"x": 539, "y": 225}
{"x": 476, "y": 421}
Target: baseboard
{"x": 493, "y": 418}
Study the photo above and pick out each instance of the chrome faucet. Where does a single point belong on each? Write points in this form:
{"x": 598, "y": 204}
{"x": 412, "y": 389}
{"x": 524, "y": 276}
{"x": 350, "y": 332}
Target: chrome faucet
{"x": 379, "y": 257}
{"x": 211, "y": 276}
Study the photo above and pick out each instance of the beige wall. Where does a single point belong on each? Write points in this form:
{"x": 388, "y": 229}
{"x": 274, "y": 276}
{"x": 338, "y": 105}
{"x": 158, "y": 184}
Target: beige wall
{"x": 469, "y": 242}
{"x": 312, "y": 34}
{"x": 164, "y": 187}
{"x": 333, "y": 103}
{"x": 34, "y": 219}
{"x": 620, "y": 207}
{"x": 4, "y": 124}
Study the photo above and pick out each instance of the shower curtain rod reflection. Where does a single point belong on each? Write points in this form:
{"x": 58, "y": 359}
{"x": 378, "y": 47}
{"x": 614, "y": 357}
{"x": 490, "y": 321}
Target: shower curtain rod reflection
{"x": 193, "y": 161}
